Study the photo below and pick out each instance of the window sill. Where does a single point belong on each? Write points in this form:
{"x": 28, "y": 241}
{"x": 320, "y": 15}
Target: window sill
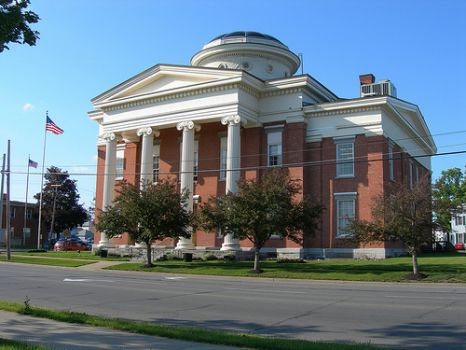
{"x": 343, "y": 236}
{"x": 345, "y": 177}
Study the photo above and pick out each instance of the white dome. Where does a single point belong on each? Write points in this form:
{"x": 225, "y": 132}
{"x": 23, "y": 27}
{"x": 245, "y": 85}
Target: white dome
{"x": 259, "y": 54}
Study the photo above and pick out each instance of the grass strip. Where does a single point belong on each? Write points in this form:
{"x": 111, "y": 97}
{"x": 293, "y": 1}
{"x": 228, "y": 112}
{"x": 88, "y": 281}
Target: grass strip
{"x": 6, "y": 344}
{"x": 181, "y": 333}
{"x": 48, "y": 261}
{"x": 83, "y": 255}
{"x": 447, "y": 267}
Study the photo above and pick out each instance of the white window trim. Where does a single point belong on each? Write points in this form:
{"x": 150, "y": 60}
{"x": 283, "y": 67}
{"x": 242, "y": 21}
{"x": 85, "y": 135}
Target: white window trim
{"x": 275, "y": 138}
{"x": 339, "y": 142}
{"x": 222, "y": 176}
{"x": 156, "y": 153}
{"x": 391, "y": 161}
{"x": 119, "y": 150}
{"x": 338, "y": 197}
{"x": 410, "y": 173}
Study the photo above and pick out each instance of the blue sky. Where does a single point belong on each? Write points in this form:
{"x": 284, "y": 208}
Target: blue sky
{"x": 87, "y": 47}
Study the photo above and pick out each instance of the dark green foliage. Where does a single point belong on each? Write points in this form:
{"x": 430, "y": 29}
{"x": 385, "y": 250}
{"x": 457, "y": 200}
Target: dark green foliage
{"x": 401, "y": 214}
{"x": 449, "y": 194}
{"x": 68, "y": 212}
{"x": 14, "y": 23}
{"x": 153, "y": 213}
{"x": 262, "y": 209}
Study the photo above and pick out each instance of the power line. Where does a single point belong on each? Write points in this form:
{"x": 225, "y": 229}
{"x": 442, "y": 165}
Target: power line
{"x": 298, "y": 151}
{"x": 359, "y": 159}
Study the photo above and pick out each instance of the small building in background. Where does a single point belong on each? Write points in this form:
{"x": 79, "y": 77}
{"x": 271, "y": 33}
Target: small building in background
{"x": 23, "y": 229}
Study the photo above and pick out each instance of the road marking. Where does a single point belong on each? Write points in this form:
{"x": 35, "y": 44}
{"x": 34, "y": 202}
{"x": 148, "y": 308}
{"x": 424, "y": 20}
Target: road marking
{"x": 175, "y": 278}
{"x": 84, "y": 280}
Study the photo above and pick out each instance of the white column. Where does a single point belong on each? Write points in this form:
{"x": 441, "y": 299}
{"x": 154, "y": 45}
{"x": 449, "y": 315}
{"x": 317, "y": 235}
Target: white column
{"x": 147, "y": 154}
{"x": 232, "y": 170}
{"x": 109, "y": 177}
{"x": 187, "y": 173}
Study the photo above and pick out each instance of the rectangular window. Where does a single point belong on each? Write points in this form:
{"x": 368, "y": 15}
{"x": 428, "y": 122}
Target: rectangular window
{"x": 223, "y": 159}
{"x": 410, "y": 174}
{"x": 274, "y": 148}
{"x": 345, "y": 212}
{"x": 391, "y": 163}
{"x": 120, "y": 162}
{"x": 196, "y": 160}
{"x": 156, "y": 163}
{"x": 29, "y": 214}
{"x": 345, "y": 159}
{"x": 12, "y": 212}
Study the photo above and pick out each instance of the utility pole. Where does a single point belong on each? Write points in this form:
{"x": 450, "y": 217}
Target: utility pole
{"x": 1, "y": 195}
{"x": 7, "y": 213}
{"x": 53, "y": 210}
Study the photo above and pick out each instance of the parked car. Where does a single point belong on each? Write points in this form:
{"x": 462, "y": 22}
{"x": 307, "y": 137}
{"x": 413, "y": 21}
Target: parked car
{"x": 459, "y": 246}
{"x": 69, "y": 244}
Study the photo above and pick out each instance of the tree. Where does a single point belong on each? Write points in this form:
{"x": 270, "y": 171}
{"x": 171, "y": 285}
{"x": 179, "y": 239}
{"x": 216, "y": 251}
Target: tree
{"x": 401, "y": 214}
{"x": 262, "y": 209}
{"x": 62, "y": 191}
{"x": 14, "y": 23}
{"x": 449, "y": 193}
{"x": 155, "y": 212}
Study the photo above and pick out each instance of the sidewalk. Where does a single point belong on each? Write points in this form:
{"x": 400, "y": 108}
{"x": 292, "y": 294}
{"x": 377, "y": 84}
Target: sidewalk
{"x": 61, "y": 336}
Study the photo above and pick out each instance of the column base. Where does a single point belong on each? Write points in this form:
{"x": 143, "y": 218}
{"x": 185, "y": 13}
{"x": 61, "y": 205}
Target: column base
{"x": 103, "y": 243}
{"x": 233, "y": 246}
{"x": 184, "y": 243}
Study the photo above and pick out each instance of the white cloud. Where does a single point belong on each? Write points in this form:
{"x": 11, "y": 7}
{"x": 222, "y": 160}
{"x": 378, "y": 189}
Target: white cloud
{"x": 28, "y": 107}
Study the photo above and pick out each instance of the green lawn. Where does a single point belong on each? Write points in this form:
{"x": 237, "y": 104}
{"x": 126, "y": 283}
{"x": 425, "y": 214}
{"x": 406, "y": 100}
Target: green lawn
{"x": 448, "y": 267}
{"x": 47, "y": 261}
{"x": 87, "y": 255}
{"x": 6, "y": 344}
{"x": 201, "y": 335}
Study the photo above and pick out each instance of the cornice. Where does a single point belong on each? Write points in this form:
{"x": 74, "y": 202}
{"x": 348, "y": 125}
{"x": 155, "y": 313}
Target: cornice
{"x": 163, "y": 96}
{"x": 346, "y": 110}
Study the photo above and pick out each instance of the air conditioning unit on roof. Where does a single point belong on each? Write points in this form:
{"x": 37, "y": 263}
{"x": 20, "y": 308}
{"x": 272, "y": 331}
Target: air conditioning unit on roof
{"x": 381, "y": 88}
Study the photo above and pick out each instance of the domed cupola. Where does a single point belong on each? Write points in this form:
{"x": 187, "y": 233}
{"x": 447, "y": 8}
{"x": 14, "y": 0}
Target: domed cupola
{"x": 260, "y": 54}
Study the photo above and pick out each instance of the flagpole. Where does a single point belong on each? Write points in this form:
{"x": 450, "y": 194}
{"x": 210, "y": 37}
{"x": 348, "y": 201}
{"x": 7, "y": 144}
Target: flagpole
{"x": 26, "y": 203}
{"x": 42, "y": 183}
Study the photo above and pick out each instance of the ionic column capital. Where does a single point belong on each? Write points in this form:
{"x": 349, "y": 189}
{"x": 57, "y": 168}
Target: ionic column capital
{"x": 108, "y": 136}
{"x": 147, "y": 131}
{"x": 187, "y": 124}
{"x": 233, "y": 120}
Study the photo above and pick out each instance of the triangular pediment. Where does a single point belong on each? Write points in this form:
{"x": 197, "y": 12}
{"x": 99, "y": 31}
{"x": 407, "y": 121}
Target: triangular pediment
{"x": 163, "y": 78}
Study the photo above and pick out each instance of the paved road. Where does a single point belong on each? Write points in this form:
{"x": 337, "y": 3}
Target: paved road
{"x": 414, "y": 316}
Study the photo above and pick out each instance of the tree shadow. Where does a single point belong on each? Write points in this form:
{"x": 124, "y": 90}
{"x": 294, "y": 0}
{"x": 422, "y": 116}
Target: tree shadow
{"x": 428, "y": 336}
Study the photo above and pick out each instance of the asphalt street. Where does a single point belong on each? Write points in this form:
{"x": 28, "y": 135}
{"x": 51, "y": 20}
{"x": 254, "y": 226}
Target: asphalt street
{"x": 411, "y": 316}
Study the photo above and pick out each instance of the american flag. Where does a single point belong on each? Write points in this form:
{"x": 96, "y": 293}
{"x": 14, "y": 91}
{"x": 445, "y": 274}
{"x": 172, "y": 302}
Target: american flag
{"x": 51, "y": 126}
{"x": 32, "y": 164}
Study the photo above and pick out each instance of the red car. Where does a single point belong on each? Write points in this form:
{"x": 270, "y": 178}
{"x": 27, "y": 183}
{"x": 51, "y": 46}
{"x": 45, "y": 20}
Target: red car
{"x": 459, "y": 246}
{"x": 67, "y": 244}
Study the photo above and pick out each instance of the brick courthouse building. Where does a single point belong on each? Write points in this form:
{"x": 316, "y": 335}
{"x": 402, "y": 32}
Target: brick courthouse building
{"x": 240, "y": 108}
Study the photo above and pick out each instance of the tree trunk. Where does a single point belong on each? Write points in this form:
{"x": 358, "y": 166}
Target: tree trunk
{"x": 148, "y": 254}
{"x": 415, "y": 265}
{"x": 257, "y": 260}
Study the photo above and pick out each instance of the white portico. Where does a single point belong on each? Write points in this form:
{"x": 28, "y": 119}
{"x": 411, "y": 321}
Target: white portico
{"x": 225, "y": 85}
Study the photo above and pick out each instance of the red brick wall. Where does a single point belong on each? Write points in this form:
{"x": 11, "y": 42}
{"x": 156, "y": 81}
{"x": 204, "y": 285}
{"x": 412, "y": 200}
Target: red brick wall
{"x": 317, "y": 176}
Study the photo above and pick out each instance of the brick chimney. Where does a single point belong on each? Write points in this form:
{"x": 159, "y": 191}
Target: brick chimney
{"x": 365, "y": 79}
